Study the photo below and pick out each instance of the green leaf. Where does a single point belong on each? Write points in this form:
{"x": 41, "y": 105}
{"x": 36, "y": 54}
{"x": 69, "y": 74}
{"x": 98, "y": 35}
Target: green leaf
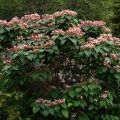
{"x": 84, "y": 117}
{"x": 83, "y": 103}
{"x": 91, "y": 107}
{"x": 57, "y": 108}
{"x": 35, "y": 75}
{"x": 21, "y": 82}
{"x": 1, "y": 30}
{"x": 81, "y": 54}
{"x": 15, "y": 55}
{"x": 106, "y": 49}
{"x": 85, "y": 88}
{"x": 72, "y": 94}
{"x": 36, "y": 109}
{"x": 85, "y": 93}
{"x": 91, "y": 99}
{"x": 65, "y": 113}
{"x": 70, "y": 104}
{"x": 16, "y": 67}
{"x": 77, "y": 90}
{"x": 54, "y": 37}
{"x": 103, "y": 104}
{"x": 102, "y": 69}
{"x": 75, "y": 20}
{"x": 63, "y": 42}
{"x": 110, "y": 42}
{"x": 117, "y": 75}
{"x": 97, "y": 49}
{"x": 8, "y": 28}
{"x": 51, "y": 111}
{"x": 55, "y": 48}
{"x": 87, "y": 53}
{"x": 74, "y": 41}
{"x": 76, "y": 103}
{"x": 7, "y": 67}
{"x": 30, "y": 57}
{"x": 42, "y": 106}
{"x": 1, "y": 37}
{"x": 64, "y": 105}
{"x": 45, "y": 113}
{"x": 27, "y": 119}
{"x": 91, "y": 87}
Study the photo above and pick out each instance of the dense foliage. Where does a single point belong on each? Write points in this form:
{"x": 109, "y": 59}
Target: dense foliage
{"x": 87, "y": 9}
{"x": 116, "y": 18}
{"x": 59, "y": 67}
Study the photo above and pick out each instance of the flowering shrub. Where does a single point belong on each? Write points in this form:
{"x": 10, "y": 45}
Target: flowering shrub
{"x": 65, "y": 67}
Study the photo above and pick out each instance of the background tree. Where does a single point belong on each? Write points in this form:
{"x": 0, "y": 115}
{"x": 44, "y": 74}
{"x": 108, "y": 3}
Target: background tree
{"x": 116, "y": 18}
{"x": 10, "y": 8}
{"x": 87, "y": 9}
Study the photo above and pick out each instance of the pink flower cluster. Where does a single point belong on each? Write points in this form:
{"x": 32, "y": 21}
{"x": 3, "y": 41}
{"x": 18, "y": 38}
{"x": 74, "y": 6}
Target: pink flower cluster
{"x": 112, "y": 56}
{"x": 16, "y": 21}
{"x": 8, "y": 61}
{"x": 105, "y": 94}
{"x": 31, "y": 17}
{"x": 35, "y": 25}
{"x": 75, "y": 31}
{"x": 59, "y": 14}
{"x": 25, "y": 20}
{"x": 103, "y": 38}
{"x": 34, "y": 17}
{"x": 92, "y": 23}
{"x": 20, "y": 37}
{"x": 108, "y": 58}
{"x": 36, "y": 37}
{"x": 108, "y": 30}
{"x": 49, "y": 103}
{"x": 19, "y": 47}
{"x": 45, "y": 45}
{"x": 23, "y": 25}
{"x": 65, "y": 12}
{"x": 109, "y": 37}
{"x": 34, "y": 48}
{"x": 88, "y": 46}
{"x": 107, "y": 62}
{"x": 3, "y": 22}
{"x": 48, "y": 17}
{"x": 58, "y": 32}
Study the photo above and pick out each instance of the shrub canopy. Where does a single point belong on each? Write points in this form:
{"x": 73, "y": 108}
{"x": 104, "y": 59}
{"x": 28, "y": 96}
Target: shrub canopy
{"x": 65, "y": 68}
